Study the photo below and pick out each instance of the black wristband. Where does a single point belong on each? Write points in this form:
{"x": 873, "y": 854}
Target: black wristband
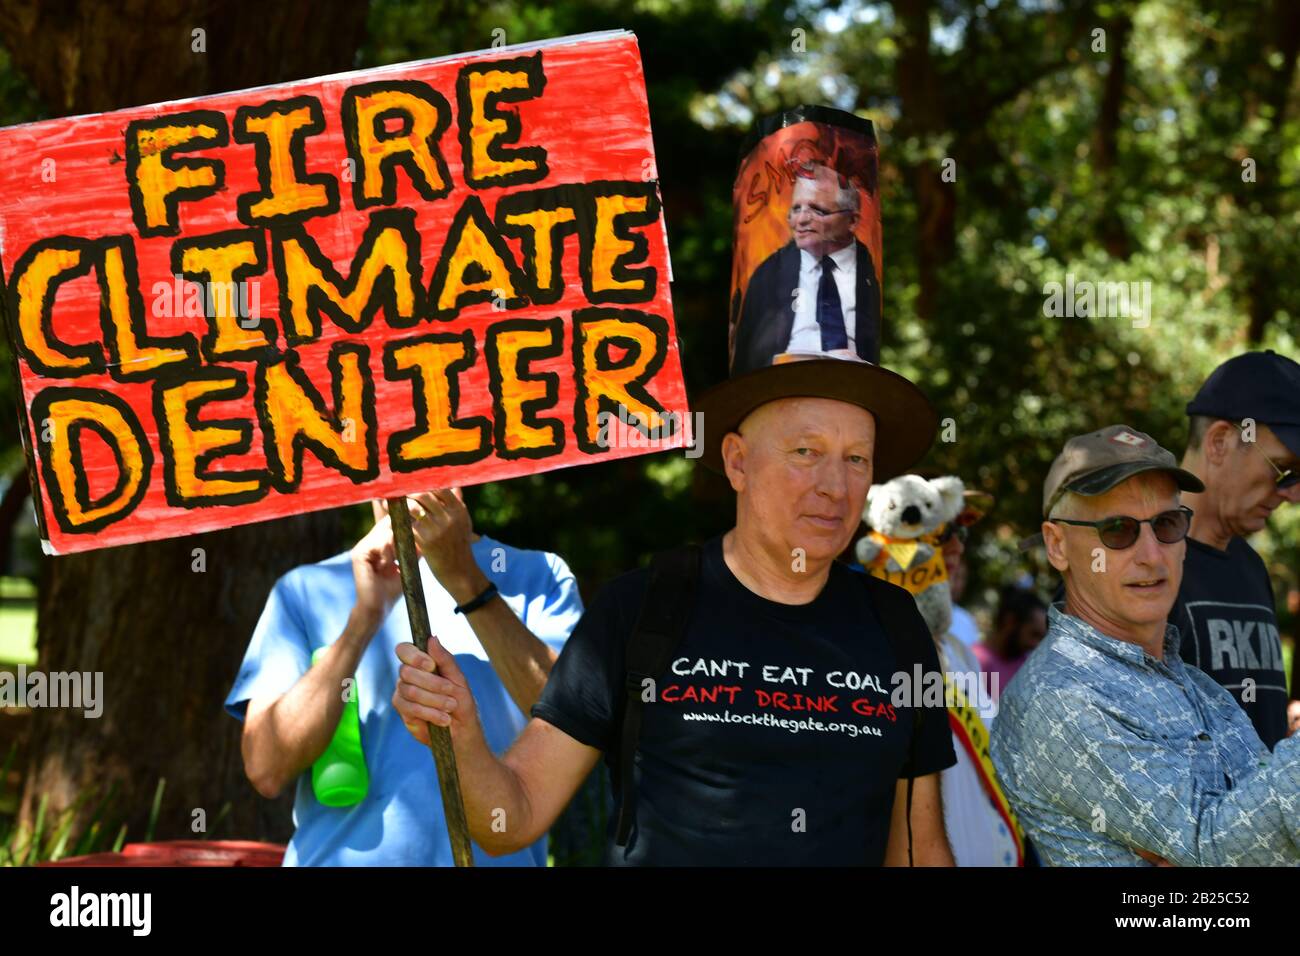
{"x": 488, "y": 594}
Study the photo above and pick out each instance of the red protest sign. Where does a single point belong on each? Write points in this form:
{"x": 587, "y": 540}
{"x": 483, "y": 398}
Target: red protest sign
{"x": 249, "y": 305}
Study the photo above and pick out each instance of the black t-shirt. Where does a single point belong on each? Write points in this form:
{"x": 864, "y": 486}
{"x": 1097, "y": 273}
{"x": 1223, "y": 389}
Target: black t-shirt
{"x": 773, "y": 739}
{"x": 1225, "y": 615}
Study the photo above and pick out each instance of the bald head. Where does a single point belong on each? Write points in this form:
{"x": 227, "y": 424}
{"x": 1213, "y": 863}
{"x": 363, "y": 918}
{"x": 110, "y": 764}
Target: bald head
{"x": 801, "y": 468}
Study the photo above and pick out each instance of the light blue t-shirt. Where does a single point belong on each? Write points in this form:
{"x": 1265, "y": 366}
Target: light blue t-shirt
{"x": 964, "y": 626}
{"x": 400, "y": 822}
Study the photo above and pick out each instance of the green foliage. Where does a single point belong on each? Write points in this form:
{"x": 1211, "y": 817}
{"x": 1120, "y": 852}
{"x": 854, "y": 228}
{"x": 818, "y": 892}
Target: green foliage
{"x": 1016, "y": 94}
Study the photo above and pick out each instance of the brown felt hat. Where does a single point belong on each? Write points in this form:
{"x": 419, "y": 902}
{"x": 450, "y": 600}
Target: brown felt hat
{"x": 906, "y": 422}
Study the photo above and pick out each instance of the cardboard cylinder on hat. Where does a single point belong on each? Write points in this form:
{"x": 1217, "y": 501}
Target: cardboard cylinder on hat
{"x": 806, "y": 249}
{"x": 805, "y": 308}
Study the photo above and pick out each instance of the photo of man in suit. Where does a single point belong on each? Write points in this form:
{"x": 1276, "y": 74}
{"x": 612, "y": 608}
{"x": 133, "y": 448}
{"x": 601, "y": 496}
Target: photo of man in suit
{"x": 818, "y": 293}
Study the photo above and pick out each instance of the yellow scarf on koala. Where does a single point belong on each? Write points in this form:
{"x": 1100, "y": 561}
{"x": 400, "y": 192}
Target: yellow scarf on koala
{"x": 916, "y": 578}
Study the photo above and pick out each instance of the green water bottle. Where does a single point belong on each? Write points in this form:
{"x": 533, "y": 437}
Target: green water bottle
{"x": 339, "y": 775}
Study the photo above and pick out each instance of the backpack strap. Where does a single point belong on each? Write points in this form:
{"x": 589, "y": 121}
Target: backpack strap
{"x": 898, "y": 623}
{"x": 659, "y": 629}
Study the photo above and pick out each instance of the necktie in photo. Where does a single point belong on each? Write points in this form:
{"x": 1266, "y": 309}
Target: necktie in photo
{"x": 830, "y": 317}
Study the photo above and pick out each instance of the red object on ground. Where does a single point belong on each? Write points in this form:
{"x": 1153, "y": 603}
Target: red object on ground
{"x": 184, "y": 853}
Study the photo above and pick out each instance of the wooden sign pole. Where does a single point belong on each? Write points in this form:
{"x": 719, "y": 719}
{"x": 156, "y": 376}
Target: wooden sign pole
{"x": 408, "y": 561}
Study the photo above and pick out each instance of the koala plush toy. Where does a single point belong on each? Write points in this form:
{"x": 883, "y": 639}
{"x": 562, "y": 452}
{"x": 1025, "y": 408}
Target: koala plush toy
{"x": 904, "y": 514}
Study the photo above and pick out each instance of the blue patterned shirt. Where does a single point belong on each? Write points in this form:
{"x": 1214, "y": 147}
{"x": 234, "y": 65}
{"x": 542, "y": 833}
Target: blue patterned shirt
{"x": 1104, "y": 750}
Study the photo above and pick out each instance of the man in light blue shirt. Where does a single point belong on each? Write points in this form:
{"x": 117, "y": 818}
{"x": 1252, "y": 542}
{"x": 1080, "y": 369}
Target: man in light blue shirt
{"x": 350, "y": 604}
{"x": 1113, "y": 752}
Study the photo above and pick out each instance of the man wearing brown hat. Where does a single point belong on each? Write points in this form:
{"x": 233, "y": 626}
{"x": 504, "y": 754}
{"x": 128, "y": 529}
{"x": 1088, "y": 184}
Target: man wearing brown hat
{"x": 742, "y": 691}
{"x": 1112, "y": 750}
{"x": 767, "y": 733}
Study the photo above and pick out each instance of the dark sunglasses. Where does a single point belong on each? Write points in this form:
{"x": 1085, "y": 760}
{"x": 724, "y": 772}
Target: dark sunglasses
{"x": 1284, "y": 479}
{"x": 1122, "y": 532}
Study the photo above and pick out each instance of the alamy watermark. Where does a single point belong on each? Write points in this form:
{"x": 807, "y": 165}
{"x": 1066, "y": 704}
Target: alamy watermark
{"x": 1104, "y": 300}
{"x": 75, "y": 908}
{"x": 628, "y": 431}
{"x": 181, "y": 298}
{"x": 76, "y": 690}
{"x": 918, "y": 688}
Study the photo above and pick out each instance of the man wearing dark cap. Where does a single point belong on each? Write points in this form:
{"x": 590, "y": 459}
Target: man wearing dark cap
{"x": 1244, "y": 445}
{"x": 1113, "y": 751}
{"x": 768, "y": 732}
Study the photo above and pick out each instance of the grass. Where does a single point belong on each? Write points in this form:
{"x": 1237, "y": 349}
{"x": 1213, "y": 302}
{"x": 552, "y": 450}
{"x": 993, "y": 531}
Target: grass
{"x": 56, "y": 836}
{"x": 53, "y": 837}
{"x": 17, "y": 635}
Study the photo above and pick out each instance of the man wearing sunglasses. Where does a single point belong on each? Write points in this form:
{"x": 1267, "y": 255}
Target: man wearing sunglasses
{"x": 1244, "y": 445}
{"x": 1112, "y": 750}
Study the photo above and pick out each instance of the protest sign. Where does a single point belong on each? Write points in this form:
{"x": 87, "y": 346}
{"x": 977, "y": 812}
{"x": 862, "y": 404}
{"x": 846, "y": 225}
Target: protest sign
{"x": 244, "y": 306}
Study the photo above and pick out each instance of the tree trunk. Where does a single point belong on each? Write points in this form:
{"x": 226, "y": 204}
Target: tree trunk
{"x": 168, "y": 638}
{"x": 1280, "y": 33}
{"x": 11, "y": 509}
{"x": 1114, "y": 234}
{"x": 924, "y": 118}
{"x": 936, "y": 106}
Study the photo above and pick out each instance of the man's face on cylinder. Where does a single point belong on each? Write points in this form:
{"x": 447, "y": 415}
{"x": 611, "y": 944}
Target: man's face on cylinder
{"x": 821, "y": 215}
{"x": 1123, "y": 591}
{"x": 801, "y": 468}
